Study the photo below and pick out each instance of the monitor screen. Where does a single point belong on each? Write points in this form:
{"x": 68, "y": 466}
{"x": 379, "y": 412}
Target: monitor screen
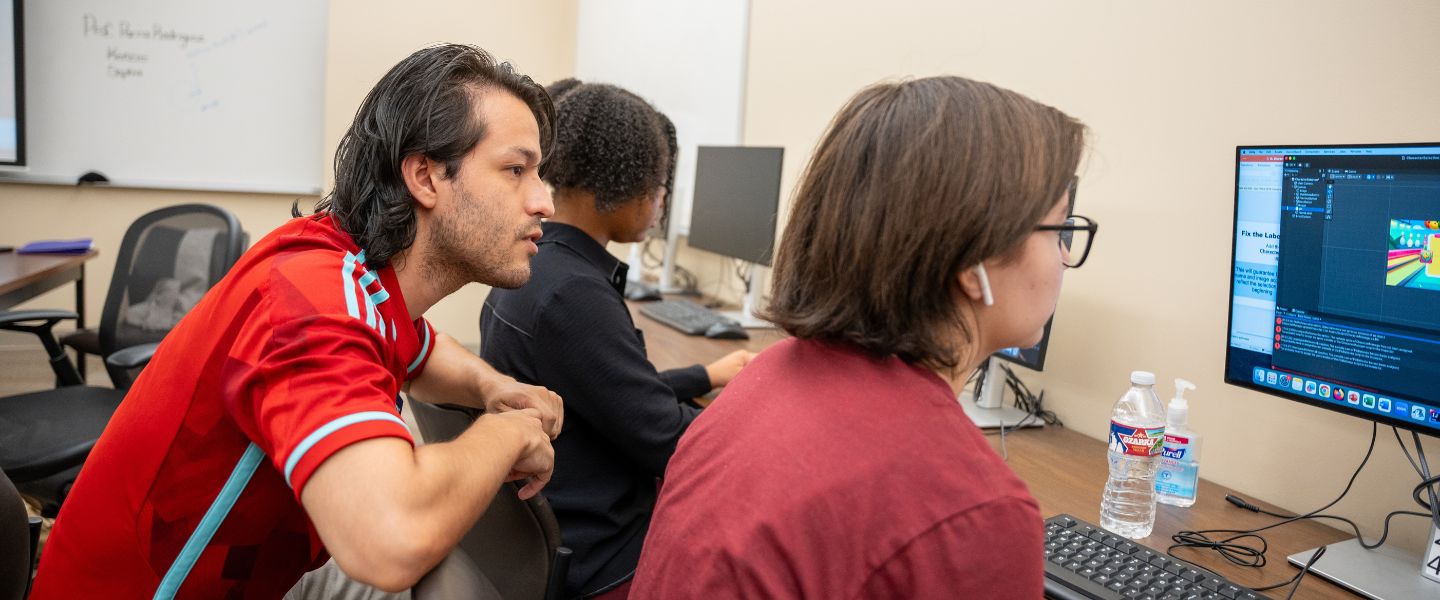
{"x": 1335, "y": 287}
{"x": 737, "y": 195}
{"x": 12, "y": 89}
{"x": 1032, "y": 358}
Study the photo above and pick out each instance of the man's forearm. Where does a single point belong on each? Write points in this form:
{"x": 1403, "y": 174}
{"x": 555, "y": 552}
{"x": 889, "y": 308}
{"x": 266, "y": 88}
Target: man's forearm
{"x": 389, "y": 514}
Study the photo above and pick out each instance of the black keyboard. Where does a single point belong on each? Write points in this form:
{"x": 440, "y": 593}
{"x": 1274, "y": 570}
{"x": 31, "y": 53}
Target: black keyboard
{"x": 687, "y": 316}
{"x": 1084, "y": 561}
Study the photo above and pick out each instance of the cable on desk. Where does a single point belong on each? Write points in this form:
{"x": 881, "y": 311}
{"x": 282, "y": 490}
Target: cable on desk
{"x": 1427, "y": 482}
{"x": 1031, "y": 403}
{"x": 1025, "y": 400}
{"x": 1319, "y": 552}
{"x": 1250, "y": 556}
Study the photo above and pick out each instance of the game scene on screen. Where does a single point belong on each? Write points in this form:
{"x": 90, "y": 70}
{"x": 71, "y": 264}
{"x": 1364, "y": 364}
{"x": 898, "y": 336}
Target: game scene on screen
{"x": 1411, "y": 262}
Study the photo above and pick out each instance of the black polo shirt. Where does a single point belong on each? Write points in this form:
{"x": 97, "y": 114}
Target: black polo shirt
{"x": 568, "y": 329}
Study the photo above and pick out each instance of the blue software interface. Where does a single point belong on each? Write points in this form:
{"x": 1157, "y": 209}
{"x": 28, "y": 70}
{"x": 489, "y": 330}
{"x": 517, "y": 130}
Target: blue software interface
{"x": 1335, "y": 296}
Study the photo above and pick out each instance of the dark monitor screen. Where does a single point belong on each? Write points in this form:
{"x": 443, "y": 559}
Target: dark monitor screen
{"x": 12, "y": 87}
{"x": 1032, "y": 358}
{"x": 737, "y": 195}
{"x": 1335, "y": 286}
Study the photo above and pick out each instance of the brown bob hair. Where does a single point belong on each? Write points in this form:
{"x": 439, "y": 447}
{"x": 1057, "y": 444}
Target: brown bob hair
{"x": 913, "y": 183}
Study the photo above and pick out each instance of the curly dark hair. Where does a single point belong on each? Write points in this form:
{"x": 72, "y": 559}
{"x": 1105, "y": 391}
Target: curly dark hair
{"x": 610, "y": 142}
{"x": 423, "y": 105}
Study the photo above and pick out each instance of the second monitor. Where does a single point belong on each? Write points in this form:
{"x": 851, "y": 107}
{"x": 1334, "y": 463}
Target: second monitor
{"x": 734, "y": 209}
{"x": 737, "y": 196}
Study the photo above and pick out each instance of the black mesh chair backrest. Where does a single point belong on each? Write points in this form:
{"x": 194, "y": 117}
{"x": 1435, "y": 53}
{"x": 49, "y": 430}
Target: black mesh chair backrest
{"x": 168, "y": 260}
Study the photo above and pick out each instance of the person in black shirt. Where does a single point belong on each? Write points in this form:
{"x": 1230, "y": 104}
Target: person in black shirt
{"x": 569, "y": 329}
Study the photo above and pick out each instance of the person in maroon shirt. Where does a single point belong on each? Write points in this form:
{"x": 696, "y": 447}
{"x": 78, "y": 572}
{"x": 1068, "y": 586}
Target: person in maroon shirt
{"x": 931, "y": 228}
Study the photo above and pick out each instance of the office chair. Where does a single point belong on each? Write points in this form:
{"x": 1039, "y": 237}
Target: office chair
{"x": 18, "y": 535}
{"x": 516, "y": 543}
{"x": 168, "y": 259}
{"x": 46, "y": 435}
{"x": 455, "y": 578}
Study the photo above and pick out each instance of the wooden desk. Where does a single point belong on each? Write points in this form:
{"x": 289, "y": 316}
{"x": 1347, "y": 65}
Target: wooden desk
{"x": 670, "y": 349}
{"x": 25, "y": 276}
{"x": 1066, "y": 473}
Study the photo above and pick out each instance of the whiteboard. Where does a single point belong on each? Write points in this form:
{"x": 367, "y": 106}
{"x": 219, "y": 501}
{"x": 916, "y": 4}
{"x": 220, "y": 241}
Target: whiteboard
{"x": 192, "y": 94}
{"x": 686, "y": 58}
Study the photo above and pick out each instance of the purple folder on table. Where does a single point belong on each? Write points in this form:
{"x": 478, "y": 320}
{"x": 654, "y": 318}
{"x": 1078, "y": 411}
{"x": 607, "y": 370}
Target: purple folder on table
{"x": 79, "y": 246}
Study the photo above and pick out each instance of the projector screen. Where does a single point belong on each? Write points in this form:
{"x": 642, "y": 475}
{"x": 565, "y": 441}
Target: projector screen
{"x": 12, "y": 95}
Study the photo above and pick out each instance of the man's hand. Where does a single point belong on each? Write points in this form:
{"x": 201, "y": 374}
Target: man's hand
{"x": 725, "y": 369}
{"x": 537, "y": 458}
{"x": 502, "y": 394}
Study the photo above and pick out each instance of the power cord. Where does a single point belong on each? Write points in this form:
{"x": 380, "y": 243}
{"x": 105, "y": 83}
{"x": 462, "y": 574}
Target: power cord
{"x": 1032, "y": 404}
{"x": 1229, "y": 546}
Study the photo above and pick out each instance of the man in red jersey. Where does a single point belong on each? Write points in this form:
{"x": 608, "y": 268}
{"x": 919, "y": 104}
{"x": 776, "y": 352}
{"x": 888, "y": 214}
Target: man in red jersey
{"x": 265, "y": 433}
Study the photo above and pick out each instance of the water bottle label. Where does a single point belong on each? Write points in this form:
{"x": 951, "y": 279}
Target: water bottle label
{"x": 1136, "y": 441}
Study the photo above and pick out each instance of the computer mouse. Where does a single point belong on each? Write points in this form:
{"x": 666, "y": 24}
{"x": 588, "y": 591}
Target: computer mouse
{"x": 725, "y": 330}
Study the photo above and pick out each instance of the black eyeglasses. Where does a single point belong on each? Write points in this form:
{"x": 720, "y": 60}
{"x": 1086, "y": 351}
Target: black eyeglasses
{"x": 1077, "y": 234}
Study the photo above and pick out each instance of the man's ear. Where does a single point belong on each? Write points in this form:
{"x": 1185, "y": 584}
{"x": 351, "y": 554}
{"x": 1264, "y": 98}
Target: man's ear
{"x": 422, "y": 178}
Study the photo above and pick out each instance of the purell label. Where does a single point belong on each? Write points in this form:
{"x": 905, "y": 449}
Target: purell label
{"x": 1136, "y": 441}
{"x": 1176, "y": 447}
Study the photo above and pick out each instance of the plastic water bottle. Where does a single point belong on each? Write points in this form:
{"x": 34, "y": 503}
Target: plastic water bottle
{"x": 1137, "y": 434}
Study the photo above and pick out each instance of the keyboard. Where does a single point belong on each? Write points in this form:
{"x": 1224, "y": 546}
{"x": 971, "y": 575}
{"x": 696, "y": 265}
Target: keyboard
{"x": 684, "y": 315}
{"x": 1084, "y": 561}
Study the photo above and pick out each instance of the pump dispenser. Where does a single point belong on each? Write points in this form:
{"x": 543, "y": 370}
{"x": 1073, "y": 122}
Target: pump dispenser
{"x": 1179, "y": 475}
{"x": 1179, "y": 409}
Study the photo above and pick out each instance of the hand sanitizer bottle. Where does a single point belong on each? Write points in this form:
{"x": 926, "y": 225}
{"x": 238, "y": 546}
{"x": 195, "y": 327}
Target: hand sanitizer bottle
{"x": 1179, "y": 475}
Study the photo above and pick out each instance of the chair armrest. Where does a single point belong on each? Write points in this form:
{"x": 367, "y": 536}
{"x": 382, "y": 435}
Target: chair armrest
{"x": 133, "y": 357}
{"x": 21, "y": 316}
{"x": 42, "y": 324}
{"x": 120, "y": 362}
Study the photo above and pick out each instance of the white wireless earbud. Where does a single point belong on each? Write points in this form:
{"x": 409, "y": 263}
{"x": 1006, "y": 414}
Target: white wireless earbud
{"x": 985, "y": 294}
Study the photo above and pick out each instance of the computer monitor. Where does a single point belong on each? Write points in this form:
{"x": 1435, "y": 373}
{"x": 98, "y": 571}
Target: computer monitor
{"x": 12, "y": 84}
{"x": 736, "y": 198}
{"x": 1032, "y": 358}
{"x": 987, "y": 407}
{"x": 1335, "y": 287}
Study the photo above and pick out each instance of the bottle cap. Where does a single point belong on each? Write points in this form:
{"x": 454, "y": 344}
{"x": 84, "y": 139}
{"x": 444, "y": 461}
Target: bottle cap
{"x": 1142, "y": 378}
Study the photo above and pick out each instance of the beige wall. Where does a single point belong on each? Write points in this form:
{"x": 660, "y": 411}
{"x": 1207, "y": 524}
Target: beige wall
{"x": 1169, "y": 90}
{"x": 366, "y": 38}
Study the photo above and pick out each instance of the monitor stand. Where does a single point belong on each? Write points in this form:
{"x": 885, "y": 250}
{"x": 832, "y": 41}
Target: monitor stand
{"x": 1385, "y": 573}
{"x": 667, "y": 266}
{"x": 746, "y": 315}
{"x": 989, "y": 411}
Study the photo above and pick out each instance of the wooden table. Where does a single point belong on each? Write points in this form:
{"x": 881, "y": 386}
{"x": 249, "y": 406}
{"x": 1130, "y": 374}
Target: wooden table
{"x": 25, "y": 276}
{"x": 1066, "y": 473}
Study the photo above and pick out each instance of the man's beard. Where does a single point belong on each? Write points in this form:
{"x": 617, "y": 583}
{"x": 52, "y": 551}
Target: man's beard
{"x": 472, "y": 246}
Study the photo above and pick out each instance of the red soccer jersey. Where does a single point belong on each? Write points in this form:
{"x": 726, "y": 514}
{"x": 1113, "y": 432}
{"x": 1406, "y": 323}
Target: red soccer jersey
{"x": 193, "y": 490}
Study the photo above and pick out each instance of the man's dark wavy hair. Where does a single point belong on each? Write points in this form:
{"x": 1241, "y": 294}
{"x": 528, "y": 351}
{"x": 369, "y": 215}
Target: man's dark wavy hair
{"x": 423, "y": 105}
{"x": 610, "y": 142}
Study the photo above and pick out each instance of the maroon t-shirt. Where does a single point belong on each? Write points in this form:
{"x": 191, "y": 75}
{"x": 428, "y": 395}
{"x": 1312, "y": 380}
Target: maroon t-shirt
{"x": 823, "y": 473}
